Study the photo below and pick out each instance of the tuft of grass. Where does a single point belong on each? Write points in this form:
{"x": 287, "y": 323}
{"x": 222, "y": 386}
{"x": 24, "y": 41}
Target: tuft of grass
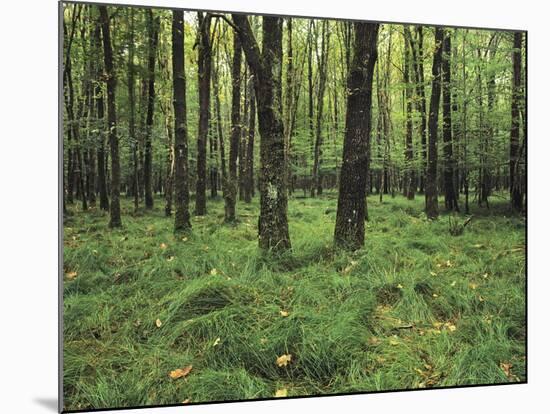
{"x": 414, "y": 308}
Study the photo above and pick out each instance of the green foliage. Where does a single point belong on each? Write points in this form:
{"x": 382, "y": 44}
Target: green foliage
{"x": 414, "y": 308}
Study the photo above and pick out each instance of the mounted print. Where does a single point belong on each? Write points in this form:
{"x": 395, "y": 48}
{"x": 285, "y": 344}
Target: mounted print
{"x": 261, "y": 207}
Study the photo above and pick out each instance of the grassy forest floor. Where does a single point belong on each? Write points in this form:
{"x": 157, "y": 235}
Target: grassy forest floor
{"x": 415, "y": 308}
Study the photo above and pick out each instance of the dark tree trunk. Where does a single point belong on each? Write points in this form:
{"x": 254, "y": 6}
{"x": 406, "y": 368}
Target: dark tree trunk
{"x": 249, "y": 186}
{"x": 182, "y": 219}
{"x": 422, "y": 104}
{"x": 515, "y": 187}
{"x": 409, "y": 184}
{"x": 204, "y": 72}
{"x": 115, "y": 220}
{"x": 100, "y": 108}
{"x": 451, "y": 202}
{"x": 349, "y": 231}
{"x": 266, "y": 68}
{"x": 431, "y": 192}
{"x": 152, "y": 31}
{"x": 132, "y": 111}
{"x": 230, "y": 189}
{"x": 243, "y": 139}
{"x": 169, "y": 180}
{"x": 217, "y": 108}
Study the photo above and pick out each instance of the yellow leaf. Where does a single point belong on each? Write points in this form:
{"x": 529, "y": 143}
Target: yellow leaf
{"x": 435, "y": 295}
{"x": 281, "y": 393}
{"x": 393, "y": 342}
{"x": 284, "y": 313}
{"x": 283, "y": 360}
{"x": 399, "y": 286}
{"x": 216, "y": 342}
{"x": 214, "y": 272}
{"x": 181, "y": 372}
{"x": 170, "y": 258}
{"x": 454, "y": 283}
{"x": 433, "y": 273}
{"x": 478, "y": 246}
{"x": 158, "y": 323}
{"x": 485, "y": 275}
{"x": 186, "y": 401}
{"x": 163, "y": 246}
{"x": 72, "y": 275}
{"x": 184, "y": 239}
{"x": 473, "y": 286}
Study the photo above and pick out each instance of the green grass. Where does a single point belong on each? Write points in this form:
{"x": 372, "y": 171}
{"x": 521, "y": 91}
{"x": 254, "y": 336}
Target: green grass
{"x": 416, "y": 307}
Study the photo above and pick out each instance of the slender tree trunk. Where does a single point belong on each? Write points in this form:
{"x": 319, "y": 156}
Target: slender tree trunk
{"x": 170, "y": 166}
{"x": 451, "y": 202}
{"x": 152, "y": 30}
{"x": 349, "y": 231}
{"x": 230, "y": 190}
{"x": 410, "y": 182}
{"x": 249, "y": 188}
{"x": 115, "y": 220}
{"x": 310, "y": 95}
{"x": 431, "y": 174}
{"x": 322, "y": 59}
{"x": 515, "y": 191}
{"x": 266, "y": 68}
{"x": 204, "y": 74}
{"x": 182, "y": 220}
{"x": 422, "y": 104}
{"x": 132, "y": 110}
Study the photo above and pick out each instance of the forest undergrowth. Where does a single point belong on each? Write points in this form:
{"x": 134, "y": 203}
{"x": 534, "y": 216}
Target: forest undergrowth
{"x": 414, "y": 308}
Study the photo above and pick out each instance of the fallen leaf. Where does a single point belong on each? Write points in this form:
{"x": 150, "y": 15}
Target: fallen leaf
{"x": 72, "y": 275}
{"x": 163, "y": 246}
{"x": 281, "y": 393}
{"x": 399, "y": 286}
{"x": 506, "y": 367}
{"x": 478, "y": 246}
{"x": 216, "y": 342}
{"x": 214, "y": 272}
{"x": 473, "y": 286}
{"x": 485, "y": 275}
{"x": 170, "y": 258}
{"x": 283, "y": 360}
{"x": 433, "y": 273}
{"x": 284, "y": 313}
{"x": 186, "y": 401}
{"x": 435, "y": 295}
{"x": 184, "y": 239}
{"x": 181, "y": 372}
{"x": 158, "y": 323}
{"x": 393, "y": 342}
{"x": 454, "y": 283}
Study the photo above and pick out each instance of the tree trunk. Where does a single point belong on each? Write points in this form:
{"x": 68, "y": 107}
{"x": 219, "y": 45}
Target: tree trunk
{"x": 515, "y": 192}
{"x": 409, "y": 184}
{"x": 115, "y": 220}
{"x": 132, "y": 111}
{"x": 266, "y": 68}
{"x": 322, "y": 59}
{"x": 249, "y": 187}
{"x": 152, "y": 31}
{"x": 451, "y": 202}
{"x": 431, "y": 174}
{"x": 204, "y": 74}
{"x": 182, "y": 219}
{"x": 349, "y": 231}
{"x": 230, "y": 189}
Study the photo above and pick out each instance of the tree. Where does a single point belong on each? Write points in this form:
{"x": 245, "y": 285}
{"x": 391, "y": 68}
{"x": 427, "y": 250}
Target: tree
{"x": 230, "y": 189}
{"x": 431, "y": 174}
{"x": 115, "y": 220}
{"x": 409, "y": 182}
{"x": 349, "y": 231}
{"x": 249, "y": 181}
{"x": 322, "y": 59}
{"x": 266, "y": 68}
{"x": 451, "y": 202}
{"x": 182, "y": 219}
{"x": 131, "y": 109}
{"x": 152, "y": 38}
{"x": 204, "y": 74}
{"x": 516, "y": 195}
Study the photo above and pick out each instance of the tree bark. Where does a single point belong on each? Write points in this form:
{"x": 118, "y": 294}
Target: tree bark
{"x": 182, "y": 219}
{"x": 115, "y": 220}
{"x": 230, "y": 190}
{"x": 349, "y": 231}
{"x": 266, "y": 68}
{"x": 451, "y": 202}
{"x": 516, "y": 196}
{"x": 204, "y": 74}
{"x": 409, "y": 180}
{"x": 431, "y": 192}
{"x": 249, "y": 187}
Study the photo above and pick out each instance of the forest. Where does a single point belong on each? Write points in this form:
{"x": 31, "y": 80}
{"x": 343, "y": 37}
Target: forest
{"x": 261, "y": 206}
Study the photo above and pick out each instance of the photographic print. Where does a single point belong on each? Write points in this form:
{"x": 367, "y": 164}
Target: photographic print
{"x": 260, "y": 206}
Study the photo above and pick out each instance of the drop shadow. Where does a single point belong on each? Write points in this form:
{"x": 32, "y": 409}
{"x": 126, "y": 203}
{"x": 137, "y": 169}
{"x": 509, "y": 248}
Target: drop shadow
{"x": 49, "y": 403}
